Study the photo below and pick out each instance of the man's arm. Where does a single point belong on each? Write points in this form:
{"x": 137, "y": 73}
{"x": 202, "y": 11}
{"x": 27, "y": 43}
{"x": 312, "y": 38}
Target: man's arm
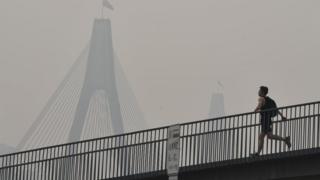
{"x": 260, "y": 104}
{"x": 282, "y": 116}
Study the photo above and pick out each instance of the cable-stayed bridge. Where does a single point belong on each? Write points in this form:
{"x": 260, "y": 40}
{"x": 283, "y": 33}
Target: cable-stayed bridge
{"x": 94, "y": 99}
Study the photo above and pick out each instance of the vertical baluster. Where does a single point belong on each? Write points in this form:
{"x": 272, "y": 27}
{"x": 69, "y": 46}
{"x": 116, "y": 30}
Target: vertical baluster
{"x": 296, "y": 128}
{"x": 242, "y": 143}
{"x": 226, "y": 139}
{"x": 223, "y": 138}
{"x": 198, "y": 146}
{"x": 277, "y": 131}
{"x": 49, "y": 164}
{"x": 286, "y": 130}
{"x": 251, "y": 149}
{"x": 157, "y": 150}
{"x": 214, "y": 139}
{"x": 313, "y": 126}
{"x": 142, "y": 152}
{"x": 206, "y": 143}
{"x": 210, "y": 143}
{"x": 194, "y": 144}
{"x": 318, "y": 131}
{"x": 200, "y": 137}
{"x": 291, "y": 125}
{"x": 233, "y": 138}
{"x": 182, "y": 150}
{"x": 309, "y": 138}
{"x": 163, "y": 164}
{"x": 304, "y": 130}
{"x": 238, "y": 138}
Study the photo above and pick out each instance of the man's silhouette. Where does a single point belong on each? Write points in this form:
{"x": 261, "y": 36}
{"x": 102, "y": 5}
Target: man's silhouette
{"x": 265, "y": 106}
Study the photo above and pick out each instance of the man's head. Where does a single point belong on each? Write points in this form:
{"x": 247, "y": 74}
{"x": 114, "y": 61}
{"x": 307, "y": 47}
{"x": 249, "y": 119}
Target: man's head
{"x": 263, "y": 91}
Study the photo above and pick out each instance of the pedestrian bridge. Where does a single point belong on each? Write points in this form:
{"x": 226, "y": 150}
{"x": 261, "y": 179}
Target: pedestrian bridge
{"x": 217, "y": 148}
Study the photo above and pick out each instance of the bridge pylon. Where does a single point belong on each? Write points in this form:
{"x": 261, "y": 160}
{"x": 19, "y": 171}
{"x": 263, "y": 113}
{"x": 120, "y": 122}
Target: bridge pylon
{"x": 100, "y": 77}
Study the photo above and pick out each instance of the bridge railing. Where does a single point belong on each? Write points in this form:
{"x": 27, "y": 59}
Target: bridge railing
{"x": 212, "y": 141}
{"x": 236, "y": 137}
{"x": 109, "y": 157}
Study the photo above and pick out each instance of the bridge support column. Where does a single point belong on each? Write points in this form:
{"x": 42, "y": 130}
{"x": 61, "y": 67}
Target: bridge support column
{"x": 173, "y": 152}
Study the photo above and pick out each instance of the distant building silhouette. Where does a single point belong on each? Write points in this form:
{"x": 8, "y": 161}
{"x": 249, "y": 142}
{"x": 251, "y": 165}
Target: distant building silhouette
{"x": 217, "y": 108}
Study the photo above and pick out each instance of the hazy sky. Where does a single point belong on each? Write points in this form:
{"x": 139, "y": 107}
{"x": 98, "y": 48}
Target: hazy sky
{"x": 173, "y": 52}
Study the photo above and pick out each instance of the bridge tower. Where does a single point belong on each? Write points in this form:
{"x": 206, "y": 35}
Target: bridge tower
{"x": 94, "y": 99}
{"x": 100, "y": 77}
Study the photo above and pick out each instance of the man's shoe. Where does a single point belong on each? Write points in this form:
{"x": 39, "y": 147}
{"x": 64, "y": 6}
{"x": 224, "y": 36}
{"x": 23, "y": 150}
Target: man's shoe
{"x": 253, "y": 155}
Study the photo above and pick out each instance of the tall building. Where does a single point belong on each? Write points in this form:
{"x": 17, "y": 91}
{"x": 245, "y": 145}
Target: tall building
{"x": 217, "y": 108}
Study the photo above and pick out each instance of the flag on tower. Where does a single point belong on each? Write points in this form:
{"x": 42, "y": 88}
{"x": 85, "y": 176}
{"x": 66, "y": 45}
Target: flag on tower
{"x": 107, "y": 4}
{"x": 220, "y": 84}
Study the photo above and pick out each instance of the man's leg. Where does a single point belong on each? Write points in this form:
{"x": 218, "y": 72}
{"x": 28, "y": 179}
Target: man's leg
{"x": 279, "y": 138}
{"x": 275, "y": 137}
{"x": 261, "y": 142}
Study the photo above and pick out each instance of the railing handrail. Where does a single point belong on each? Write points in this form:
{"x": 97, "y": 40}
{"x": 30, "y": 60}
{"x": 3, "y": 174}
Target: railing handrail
{"x": 248, "y": 113}
{"x": 244, "y": 126}
{"x": 73, "y": 155}
{"x": 152, "y": 129}
{"x": 83, "y": 141}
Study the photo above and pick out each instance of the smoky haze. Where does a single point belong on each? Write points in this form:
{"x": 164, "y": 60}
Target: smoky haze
{"x": 173, "y": 53}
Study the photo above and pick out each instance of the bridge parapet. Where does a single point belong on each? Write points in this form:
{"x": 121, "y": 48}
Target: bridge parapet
{"x": 213, "y": 142}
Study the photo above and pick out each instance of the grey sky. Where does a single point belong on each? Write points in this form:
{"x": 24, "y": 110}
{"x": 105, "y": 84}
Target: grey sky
{"x": 173, "y": 52}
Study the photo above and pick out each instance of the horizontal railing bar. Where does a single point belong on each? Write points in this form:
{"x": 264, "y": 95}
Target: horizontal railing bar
{"x": 64, "y": 157}
{"x": 248, "y": 113}
{"x": 246, "y": 126}
{"x": 85, "y": 141}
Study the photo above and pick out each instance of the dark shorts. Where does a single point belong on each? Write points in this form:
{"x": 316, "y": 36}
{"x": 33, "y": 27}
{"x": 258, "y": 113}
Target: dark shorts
{"x": 266, "y": 124}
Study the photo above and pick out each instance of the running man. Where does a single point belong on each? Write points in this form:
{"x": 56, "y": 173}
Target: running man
{"x": 264, "y": 104}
